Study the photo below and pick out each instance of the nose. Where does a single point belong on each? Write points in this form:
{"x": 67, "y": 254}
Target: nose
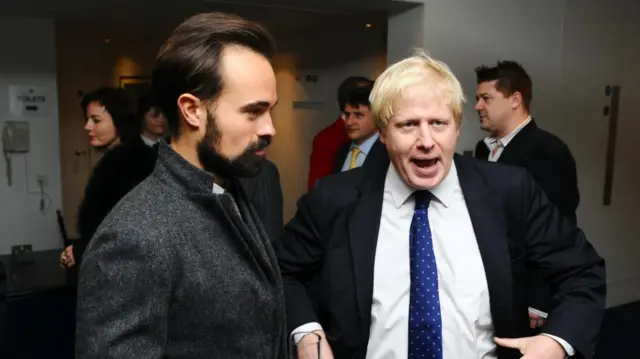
{"x": 479, "y": 106}
{"x": 349, "y": 119}
{"x": 266, "y": 127}
{"x": 88, "y": 126}
{"x": 425, "y": 141}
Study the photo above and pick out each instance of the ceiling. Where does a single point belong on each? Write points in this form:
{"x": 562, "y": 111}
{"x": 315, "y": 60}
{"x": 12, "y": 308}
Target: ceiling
{"x": 278, "y": 15}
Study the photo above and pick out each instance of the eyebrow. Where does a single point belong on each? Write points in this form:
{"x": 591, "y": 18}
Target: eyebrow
{"x": 257, "y": 105}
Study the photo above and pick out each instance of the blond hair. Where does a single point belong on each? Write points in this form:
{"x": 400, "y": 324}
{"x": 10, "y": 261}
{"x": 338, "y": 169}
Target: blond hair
{"x": 417, "y": 69}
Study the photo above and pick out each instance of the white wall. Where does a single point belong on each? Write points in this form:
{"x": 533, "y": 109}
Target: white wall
{"x": 28, "y": 59}
{"x": 572, "y": 49}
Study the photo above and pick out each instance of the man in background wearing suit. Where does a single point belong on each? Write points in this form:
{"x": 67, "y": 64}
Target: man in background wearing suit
{"x": 328, "y": 141}
{"x": 365, "y": 146}
{"x": 182, "y": 267}
{"x": 427, "y": 257}
{"x": 503, "y": 96}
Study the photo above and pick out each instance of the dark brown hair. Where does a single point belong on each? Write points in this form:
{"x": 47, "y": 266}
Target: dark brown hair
{"x": 359, "y": 96}
{"x": 189, "y": 61}
{"x": 119, "y": 105}
{"x": 511, "y": 78}
{"x": 348, "y": 85}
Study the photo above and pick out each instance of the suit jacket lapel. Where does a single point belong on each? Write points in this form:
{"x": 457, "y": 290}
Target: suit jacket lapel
{"x": 377, "y": 154}
{"x": 488, "y": 224}
{"x": 482, "y": 151}
{"x": 343, "y": 151}
{"x": 363, "y": 225}
{"x": 512, "y": 152}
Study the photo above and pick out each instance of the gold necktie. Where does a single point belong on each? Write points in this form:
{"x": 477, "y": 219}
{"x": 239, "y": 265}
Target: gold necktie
{"x": 354, "y": 156}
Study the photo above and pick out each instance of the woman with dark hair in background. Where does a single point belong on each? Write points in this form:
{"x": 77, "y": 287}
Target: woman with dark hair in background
{"x": 110, "y": 118}
{"x": 130, "y": 158}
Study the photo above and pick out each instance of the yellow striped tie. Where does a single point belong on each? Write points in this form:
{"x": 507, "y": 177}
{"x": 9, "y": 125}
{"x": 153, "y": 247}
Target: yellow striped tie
{"x": 354, "y": 156}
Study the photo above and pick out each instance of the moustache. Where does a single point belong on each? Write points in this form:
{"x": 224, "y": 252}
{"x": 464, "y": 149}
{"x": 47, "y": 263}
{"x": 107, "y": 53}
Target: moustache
{"x": 261, "y": 144}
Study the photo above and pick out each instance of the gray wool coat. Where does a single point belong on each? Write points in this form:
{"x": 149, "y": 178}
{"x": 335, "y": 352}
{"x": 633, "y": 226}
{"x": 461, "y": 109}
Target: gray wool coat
{"x": 176, "y": 271}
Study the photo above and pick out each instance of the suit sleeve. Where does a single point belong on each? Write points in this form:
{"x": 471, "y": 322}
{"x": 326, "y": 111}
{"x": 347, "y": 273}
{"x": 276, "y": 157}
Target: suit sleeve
{"x": 123, "y": 298}
{"x": 300, "y": 252}
{"x": 570, "y": 264}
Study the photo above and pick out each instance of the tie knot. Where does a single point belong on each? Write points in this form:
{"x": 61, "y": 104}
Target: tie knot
{"x": 422, "y": 199}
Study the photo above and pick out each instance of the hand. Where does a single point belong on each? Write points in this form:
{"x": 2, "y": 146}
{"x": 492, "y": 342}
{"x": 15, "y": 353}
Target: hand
{"x": 308, "y": 347}
{"x": 537, "y": 347}
{"x": 535, "y": 321}
{"x": 66, "y": 258}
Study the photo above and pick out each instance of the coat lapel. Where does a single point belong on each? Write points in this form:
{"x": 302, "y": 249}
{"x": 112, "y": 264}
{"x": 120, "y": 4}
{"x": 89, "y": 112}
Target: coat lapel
{"x": 260, "y": 238}
{"x": 488, "y": 224}
{"x": 512, "y": 153}
{"x": 227, "y": 212}
{"x": 364, "y": 224}
{"x": 341, "y": 157}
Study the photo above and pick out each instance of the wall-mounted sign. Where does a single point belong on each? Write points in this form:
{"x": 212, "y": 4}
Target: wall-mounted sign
{"x": 29, "y": 101}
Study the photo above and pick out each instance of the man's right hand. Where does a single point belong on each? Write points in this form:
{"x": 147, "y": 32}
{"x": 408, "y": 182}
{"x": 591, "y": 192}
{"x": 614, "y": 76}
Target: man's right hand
{"x": 308, "y": 347}
{"x": 66, "y": 258}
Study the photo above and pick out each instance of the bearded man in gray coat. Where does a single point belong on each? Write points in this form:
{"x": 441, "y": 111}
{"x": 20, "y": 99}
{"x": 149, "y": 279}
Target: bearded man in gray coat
{"x": 182, "y": 267}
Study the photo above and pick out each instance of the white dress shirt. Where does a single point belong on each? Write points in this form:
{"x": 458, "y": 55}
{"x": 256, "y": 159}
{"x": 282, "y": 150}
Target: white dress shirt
{"x": 492, "y": 143}
{"x": 467, "y": 325}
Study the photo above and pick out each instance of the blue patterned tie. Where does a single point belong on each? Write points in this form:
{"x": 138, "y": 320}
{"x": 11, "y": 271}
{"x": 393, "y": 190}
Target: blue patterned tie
{"x": 425, "y": 323}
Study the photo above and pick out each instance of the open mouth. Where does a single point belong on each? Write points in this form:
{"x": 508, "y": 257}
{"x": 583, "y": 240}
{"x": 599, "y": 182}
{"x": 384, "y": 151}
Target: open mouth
{"x": 425, "y": 163}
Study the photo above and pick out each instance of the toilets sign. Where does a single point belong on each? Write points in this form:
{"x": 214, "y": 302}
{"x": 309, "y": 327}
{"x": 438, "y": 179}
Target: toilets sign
{"x": 29, "y": 101}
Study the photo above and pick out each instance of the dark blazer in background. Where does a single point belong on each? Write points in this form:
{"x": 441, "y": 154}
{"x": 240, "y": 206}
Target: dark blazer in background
{"x": 118, "y": 172}
{"x": 377, "y": 154}
{"x": 176, "y": 271}
{"x": 549, "y": 161}
{"x": 334, "y": 234}
{"x": 265, "y": 193}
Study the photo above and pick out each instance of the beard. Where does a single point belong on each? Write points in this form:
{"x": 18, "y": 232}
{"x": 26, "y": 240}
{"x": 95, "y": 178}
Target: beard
{"x": 247, "y": 164}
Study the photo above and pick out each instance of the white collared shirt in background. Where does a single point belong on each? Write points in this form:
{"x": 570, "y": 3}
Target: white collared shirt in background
{"x": 492, "y": 143}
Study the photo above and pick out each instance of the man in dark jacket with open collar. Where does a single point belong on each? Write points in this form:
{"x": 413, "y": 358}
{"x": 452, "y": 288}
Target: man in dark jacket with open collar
{"x": 182, "y": 267}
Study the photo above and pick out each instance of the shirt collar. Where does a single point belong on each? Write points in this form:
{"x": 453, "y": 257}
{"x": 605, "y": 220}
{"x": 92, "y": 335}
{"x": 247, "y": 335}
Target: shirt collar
{"x": 365, "y": 146}
{"x": 147, "y": 141}
{"x": 400, "y": 191}
{"x": 490, "y": 141}
{"x": 217, "y": 189}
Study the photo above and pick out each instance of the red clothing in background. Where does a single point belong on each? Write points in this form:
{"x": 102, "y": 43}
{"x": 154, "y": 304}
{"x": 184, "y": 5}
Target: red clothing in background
{"x": 325, "y": 149}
